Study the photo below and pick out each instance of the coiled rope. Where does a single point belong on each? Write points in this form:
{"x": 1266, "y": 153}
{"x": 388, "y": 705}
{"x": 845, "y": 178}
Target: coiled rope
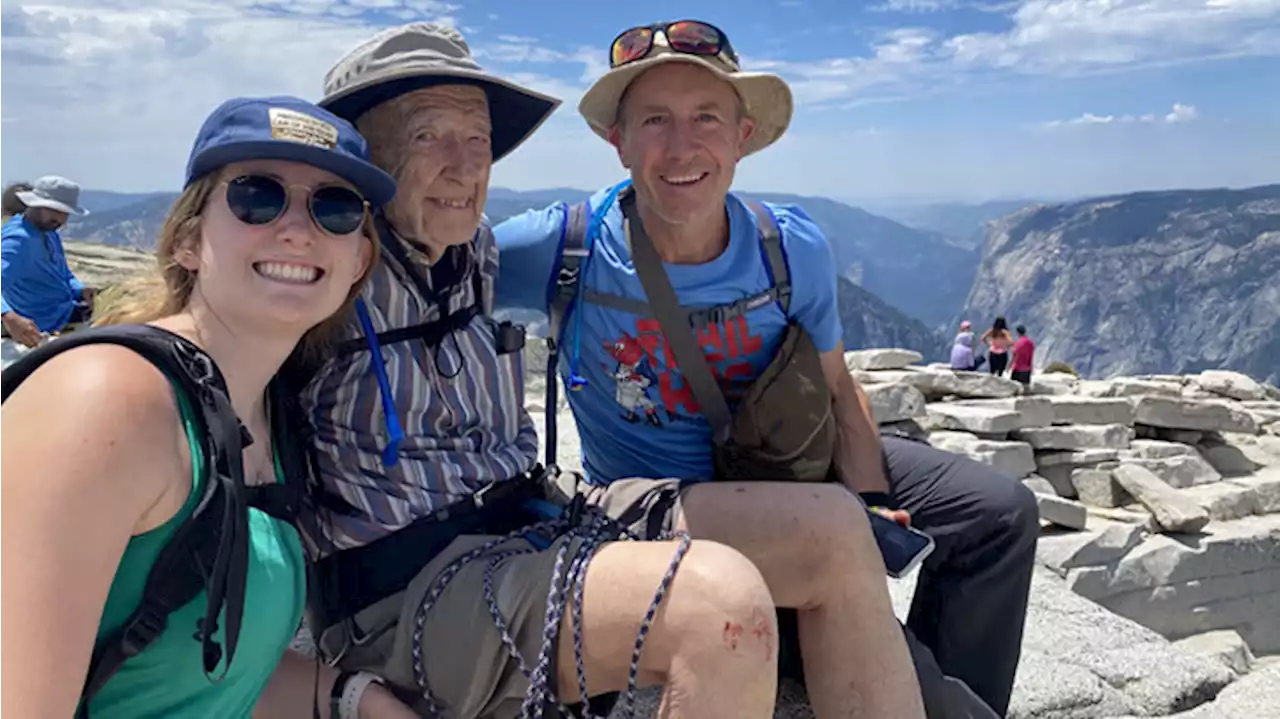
{"x": 596, "y": 531}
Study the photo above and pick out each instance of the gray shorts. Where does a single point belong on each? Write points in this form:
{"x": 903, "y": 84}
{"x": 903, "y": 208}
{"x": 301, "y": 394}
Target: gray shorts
{"x": 645, "y": 507}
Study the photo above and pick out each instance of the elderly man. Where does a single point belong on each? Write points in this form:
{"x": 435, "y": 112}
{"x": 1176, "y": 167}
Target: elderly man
{"x": 678, "y": 302}
{"x": 40, "y": 293}
{"x": 446, "y": 564}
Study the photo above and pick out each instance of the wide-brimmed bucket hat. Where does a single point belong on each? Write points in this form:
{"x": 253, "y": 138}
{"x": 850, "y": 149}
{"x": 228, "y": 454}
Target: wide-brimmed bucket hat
{"x": 55, "y": 193}
{"x": 766, "y": 97}
{"x": 421, "y": 54}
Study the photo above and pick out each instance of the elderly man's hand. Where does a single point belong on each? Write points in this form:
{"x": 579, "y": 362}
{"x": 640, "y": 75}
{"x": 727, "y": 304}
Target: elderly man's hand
{"x": 22, "y": 329}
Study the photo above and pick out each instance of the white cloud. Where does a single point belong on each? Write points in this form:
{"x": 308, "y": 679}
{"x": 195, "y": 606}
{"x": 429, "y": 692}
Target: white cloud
{"x": 1073, "y": 36}
{"x": 915, "y": 6}
{"x": 1046, "y": 37}
{"x": 1179, "y": 114}
{"x": 1182, "y": 113}
{"x": 113, "y": 94}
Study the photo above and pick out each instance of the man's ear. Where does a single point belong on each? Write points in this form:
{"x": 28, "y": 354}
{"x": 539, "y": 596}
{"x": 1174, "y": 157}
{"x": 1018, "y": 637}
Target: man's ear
{"x": 746, "y": 129}
{"x": 615, "y": 139}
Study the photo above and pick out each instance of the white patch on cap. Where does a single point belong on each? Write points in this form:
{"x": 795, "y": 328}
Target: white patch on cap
{"x": 295, "y": 126}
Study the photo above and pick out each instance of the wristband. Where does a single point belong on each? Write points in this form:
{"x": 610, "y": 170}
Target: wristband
{"x": 335, "y": 693}
{"x": 878, "y": 500}
{"x": 352, "y": 690}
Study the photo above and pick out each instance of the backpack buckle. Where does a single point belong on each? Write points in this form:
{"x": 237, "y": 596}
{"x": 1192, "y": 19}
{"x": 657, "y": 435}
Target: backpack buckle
{"x": 141, "y": 631}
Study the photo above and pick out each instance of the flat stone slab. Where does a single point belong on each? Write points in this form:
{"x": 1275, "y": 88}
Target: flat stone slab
{"x": 1173, "y": 511}
{"x": 1182, "y": 471}
{"x": 980, "y": 420}
{"x": 1129, "y": 387}
{"x": 1013, "y": 458}
{"x": 1201, "y": 415}
{"x": 1085, "y": 436}
{"x": 1230, "y": 384}
{"x": 939, "y": 383}
{"x": 1159, "y": 449}
{"x": 1070, "y": 409}
{"x": 894, "y": 402}
{"x": 1098, "y": 487}
{"x": 878, "y": 359}
{"x": 1035, "y": 411}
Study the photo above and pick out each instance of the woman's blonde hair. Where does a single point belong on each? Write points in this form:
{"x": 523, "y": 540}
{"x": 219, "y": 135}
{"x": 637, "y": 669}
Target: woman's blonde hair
{"x": 154, "y": 295}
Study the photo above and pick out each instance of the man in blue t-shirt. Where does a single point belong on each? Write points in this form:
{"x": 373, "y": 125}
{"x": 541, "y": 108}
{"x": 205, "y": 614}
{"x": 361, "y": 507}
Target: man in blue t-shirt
{"x": 40, "y": 293}
{"x": 680, "y": 114}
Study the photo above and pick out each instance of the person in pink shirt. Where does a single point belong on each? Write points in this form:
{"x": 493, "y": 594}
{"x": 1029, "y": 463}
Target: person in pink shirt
{"x": 1024, "y": 351}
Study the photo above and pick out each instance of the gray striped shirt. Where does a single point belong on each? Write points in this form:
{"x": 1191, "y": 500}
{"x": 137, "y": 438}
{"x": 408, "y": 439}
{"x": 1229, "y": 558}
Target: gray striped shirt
{"x": 461, "y": 406}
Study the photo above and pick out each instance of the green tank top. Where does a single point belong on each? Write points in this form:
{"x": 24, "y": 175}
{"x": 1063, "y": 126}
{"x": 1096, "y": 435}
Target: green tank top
{"x": 168, "y": 679}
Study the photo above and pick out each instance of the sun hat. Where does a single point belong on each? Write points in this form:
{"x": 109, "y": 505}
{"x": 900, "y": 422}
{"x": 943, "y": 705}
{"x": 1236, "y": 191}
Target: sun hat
{"x": 55, "y": 193}
{"x": 422, "y": 54}
{"x": 765, "y": 96}
{"x": 287, "y": 128}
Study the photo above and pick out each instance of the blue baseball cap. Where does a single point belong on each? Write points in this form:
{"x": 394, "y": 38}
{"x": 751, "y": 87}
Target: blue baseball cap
{"x": 287, "y": 128}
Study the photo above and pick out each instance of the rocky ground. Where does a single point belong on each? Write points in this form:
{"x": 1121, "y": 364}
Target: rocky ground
{"x": 1159, "y": 579}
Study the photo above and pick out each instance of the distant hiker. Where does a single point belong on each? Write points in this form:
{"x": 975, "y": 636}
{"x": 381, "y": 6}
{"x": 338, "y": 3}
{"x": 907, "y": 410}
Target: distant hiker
{"x": 669, "y": 297}
{"x": 999, "y": 340}
{"x": 427, "y": 457}
{"x": 40, "y": 294}
{"x": 962, "y": 357}
{"x": 106, "y": 470}
{"x": 11, "y": 204}
{"x": 1024, "y": 351}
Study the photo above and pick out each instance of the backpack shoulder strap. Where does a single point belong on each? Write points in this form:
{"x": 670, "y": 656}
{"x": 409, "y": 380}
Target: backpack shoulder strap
{"x": 561, "y": 295}
{"x": 207, "y": 552}
{"x": 568, "y": 268}
{"x": 774, "y": 257}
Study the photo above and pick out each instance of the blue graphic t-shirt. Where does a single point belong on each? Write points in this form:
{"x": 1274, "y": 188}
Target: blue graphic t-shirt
{"x": 636, "y": 415}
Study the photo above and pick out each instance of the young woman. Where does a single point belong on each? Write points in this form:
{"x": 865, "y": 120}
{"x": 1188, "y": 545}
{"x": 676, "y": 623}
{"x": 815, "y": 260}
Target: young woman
{"x": 269, "y": 241}
{"x": 999, "y": 340}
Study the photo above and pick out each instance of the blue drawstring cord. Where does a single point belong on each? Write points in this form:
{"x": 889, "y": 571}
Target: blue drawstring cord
{"x": 577, "y": 381}
{"x": 391, "y": 454}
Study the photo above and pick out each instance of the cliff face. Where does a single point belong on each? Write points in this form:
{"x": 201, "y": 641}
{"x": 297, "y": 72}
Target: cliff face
{"x": 1150, "y": 282}
{"x": 869, "y": 321}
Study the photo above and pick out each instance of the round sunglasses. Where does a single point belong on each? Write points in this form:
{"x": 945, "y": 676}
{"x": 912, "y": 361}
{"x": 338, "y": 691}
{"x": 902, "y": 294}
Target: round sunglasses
{"x": 261, "y": 200}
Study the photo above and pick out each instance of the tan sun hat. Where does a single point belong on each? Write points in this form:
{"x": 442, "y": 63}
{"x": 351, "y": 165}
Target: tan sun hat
{"x": 421, "y": 54}
{"x": 765, "y": 96}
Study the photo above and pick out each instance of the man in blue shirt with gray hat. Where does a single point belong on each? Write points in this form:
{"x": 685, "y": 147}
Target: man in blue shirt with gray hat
{"x": 40, "y": 294}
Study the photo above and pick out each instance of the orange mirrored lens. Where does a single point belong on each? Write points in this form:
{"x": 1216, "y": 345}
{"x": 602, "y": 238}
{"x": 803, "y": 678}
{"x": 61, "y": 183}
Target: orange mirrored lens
{"x": 630, "y": 46}
{"x": 694, "y": 38}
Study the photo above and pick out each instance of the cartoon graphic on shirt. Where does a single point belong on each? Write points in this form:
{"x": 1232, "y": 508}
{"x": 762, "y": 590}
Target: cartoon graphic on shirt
{"x": 633, "y": 375}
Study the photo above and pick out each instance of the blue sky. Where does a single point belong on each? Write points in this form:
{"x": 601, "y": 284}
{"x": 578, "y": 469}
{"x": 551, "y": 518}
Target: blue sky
{"x": 896, "y": 99}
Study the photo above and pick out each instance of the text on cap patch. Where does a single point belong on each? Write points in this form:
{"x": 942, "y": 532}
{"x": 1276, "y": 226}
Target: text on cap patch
{"x": 296, "y": 126}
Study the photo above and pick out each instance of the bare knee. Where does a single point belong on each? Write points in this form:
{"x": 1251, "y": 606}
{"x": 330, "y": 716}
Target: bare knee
{"x": 836, "y": 536}
{"x": 725, "y": 609}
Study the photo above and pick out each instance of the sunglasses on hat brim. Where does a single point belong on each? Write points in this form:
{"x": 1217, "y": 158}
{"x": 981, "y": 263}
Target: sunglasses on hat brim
{"x": 262, "y": 199}
{"x": 691, "y": 37}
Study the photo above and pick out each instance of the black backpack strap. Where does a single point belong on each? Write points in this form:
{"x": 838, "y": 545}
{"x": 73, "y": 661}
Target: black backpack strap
{"x": 209, "y": 551}
{"x": 561, "y": 296}
{"x": 432, "y": 333}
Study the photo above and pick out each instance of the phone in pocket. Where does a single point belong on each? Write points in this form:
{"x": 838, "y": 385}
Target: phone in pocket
{"x": 903, "y": 548}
